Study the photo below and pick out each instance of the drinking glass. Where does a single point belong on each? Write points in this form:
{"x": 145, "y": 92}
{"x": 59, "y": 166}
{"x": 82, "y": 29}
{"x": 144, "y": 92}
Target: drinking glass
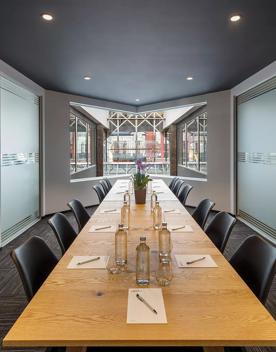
{"x": 164, "y": 273}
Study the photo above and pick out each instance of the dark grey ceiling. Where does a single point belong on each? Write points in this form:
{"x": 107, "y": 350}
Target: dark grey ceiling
{"x": 138, "y": 49}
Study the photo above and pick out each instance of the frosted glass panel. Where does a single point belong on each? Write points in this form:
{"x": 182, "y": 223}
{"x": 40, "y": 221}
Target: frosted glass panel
{"x": 19, "y": 159}
{"x": 257, "y": 160}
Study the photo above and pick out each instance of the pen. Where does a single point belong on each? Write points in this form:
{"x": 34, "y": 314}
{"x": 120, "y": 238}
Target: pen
{"x": 109, "y": 211}
{"x": 178, "y": 228}
{"x": 102, "y": 228}
{"x": 169, "y": 211}
{"x": 195, "y": 261}
{"x": 88, "y": 260}
{"x": 146, "y": 303}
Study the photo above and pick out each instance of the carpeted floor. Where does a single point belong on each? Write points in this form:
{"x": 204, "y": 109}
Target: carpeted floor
{"x": 12, "y": 297}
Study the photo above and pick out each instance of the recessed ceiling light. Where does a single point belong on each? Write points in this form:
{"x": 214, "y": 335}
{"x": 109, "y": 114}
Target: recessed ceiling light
{"x": 47, "y": 17}
{"x": 235, "y": 18}
{"x": 189, "y": 78}
{"x": 87, "y": 78}
{"x": 137, "y": 99}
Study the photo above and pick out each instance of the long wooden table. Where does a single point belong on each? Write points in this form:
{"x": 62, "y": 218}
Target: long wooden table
{"x": 208, "y": 307}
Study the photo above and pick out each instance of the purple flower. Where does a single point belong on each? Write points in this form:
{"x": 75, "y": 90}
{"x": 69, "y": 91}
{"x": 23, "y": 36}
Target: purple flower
{"x": 140, "y": 165}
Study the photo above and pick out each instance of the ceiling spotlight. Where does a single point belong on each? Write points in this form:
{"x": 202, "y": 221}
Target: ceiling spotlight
{"x": 189, "y": 78}
{"x": 235, "y": 18}
{"x": 47, "y": 17}
{"x": 87, "y": 78}
{"x": 137, "y": 99}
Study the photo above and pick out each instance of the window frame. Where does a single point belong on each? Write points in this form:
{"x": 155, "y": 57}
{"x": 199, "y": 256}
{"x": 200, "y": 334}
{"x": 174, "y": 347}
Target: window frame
{"x": 185, "y": 143}
{"x": 90, "y": 133}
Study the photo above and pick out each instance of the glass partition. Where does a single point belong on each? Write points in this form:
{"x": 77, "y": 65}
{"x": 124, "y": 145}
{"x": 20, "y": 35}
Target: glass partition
{"x": 20, "y": 202}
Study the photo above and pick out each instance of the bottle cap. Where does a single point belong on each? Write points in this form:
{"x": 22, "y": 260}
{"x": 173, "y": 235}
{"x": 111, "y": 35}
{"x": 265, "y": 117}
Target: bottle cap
{"x": 164, "y": 224}
{"x": 121, "y": 226}
{"x": 143, "y": 239}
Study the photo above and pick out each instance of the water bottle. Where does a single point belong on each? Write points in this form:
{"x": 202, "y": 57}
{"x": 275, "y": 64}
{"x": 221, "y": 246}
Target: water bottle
{"x": 125, "y": 215}
{"x": 130, "y": 186}
{"x": 153, "y": 200}
{"x": 149, "y": 187}
{"x": 157, "y": 216}
{"x": 127, "y": 198}
{"x": 121, "y": 246}
{"x": 143, "y": 263}
{"x": 165, "y": 244}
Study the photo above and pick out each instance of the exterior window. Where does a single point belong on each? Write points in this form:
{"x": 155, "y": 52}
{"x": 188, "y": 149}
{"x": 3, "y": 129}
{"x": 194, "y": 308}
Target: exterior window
{"x": 136, "y": 136}
{"x": 82, "y": 143}
{"x": 194, "y": 137}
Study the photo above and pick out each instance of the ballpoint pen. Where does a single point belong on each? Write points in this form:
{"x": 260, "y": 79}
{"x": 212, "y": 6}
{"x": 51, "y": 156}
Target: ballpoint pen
{"x": 146, "y": 303}
{"x": 88, "y": 260}
{"x": 102, "y": 228}
{"x": 178, "y": 228}
{"x": 195, "y": 261}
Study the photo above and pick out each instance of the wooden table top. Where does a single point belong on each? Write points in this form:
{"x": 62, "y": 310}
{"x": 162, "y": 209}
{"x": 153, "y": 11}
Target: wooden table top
{"x": 204, "y": 306}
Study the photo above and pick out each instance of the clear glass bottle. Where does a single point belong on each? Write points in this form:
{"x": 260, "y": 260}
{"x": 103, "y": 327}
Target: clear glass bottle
{"x": 153, "y": 200}
{"x": 149, "y": 187}
{"x": 143, "y": 263}
{"x": 157, "y": 216}
{"x": 127, "y": 198}
{"x": 121, "y": 246}
{"x": 125, "y": 215}
{"x": 130, "y": 186}
{"x": 164, "y": 273}
{"x": 165, "y": 244}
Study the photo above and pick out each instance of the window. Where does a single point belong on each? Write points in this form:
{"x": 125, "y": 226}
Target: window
{"x": 82, "y": 142}
{"x": 194, "y": 150}
{"x": 136, "y": 136}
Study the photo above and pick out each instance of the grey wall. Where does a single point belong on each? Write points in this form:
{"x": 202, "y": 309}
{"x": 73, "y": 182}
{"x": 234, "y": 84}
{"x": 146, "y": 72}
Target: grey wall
{"x": 58, "y": 188}
{"x": 217, "y": 186}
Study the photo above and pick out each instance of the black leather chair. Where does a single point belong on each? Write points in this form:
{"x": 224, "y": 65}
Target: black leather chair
{"x": 172, "y": 183}
{"x": 108, "y": 183}
{"x": 99, "y": 192}
{"x": 202, "y": 212}
{"x": 184, "y": 192}
{"x": 220, "y": 229}
{"x": 63, "y": 230}
{"x": 104, "y": 187}
{"x": 177, "y": 186}
{"x": 255, "y": 262}
{"x": 79, "y": 212}
{"x": 34, "y": 261}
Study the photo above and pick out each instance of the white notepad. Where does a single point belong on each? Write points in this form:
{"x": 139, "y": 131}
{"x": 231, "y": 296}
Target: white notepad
{"x": 139, "y": 313}
{"x": 97, "y": 264}
{"x": 187, "y": 228}
{"x": 110, "y": 211}
{"x": 101, "y": 228}
{"x": 182, "y": 260}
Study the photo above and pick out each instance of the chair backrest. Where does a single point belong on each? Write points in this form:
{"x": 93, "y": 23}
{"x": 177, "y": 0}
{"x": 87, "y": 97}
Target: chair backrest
{"x": 177, "y": 186}
{"x": 79, "y": 212}
{"x": 255, "y": 262}
{"x": 34, "y": 261}
{"x": 220, "y": 229}
{"x": 172, "y": 183}
{"x": 108, "y": 183}
{"x": 184, "y": 192}
{"x": 104, "y": 187}
{"x": 202, "y": 211}
{"x": 63, "y": 230}
{"x": 99, "y": 192}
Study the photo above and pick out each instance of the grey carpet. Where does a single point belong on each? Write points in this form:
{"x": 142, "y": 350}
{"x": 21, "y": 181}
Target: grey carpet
{"x": 12, "y": 297}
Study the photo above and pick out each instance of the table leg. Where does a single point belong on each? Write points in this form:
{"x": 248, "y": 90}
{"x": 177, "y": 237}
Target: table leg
{"x": 76, "y": 349}
{"x": 213, "y": 349}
